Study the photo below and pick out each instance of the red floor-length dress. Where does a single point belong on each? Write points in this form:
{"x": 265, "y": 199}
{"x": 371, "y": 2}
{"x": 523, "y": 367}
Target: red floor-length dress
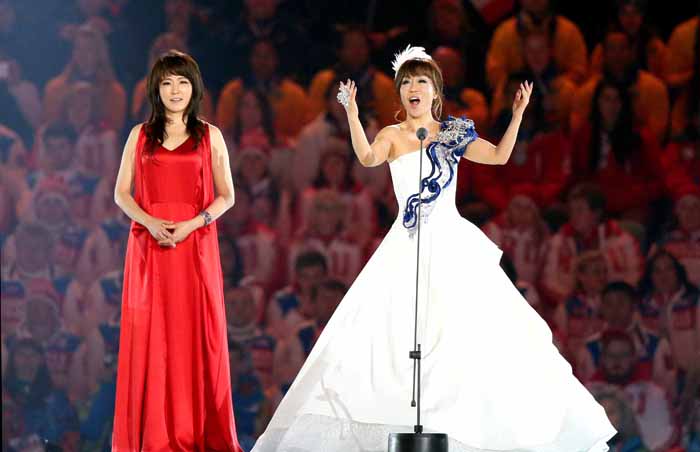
{"x": 173, "y": 378}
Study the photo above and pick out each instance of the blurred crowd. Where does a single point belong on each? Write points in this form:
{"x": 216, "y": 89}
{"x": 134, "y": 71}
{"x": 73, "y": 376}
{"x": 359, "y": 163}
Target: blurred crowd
{"x": 597, "y": 210}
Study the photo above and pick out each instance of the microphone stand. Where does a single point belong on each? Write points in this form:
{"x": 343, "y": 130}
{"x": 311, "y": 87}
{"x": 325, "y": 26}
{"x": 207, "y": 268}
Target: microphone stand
{"x": 418, "y": 441}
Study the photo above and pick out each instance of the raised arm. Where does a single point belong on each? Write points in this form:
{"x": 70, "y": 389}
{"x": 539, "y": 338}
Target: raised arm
{"x": 483, "y": 151}
{"x": 368, "y": 154}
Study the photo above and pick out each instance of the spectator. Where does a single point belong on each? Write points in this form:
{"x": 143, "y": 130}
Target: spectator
{"x": 459, "y": 99}
{"x": 90, "y": 62}
{"x": 324, "y": 234}
{"x": 649, "y": 96}
{"x": 670, "y": 306}
{"x": 579, "y": 317}
{"x": 617, "y": 155}
{"x": 621, "y": 414}
{"x": 20, "y": 100}
{"x": 289, "y": 102}
{"x": 256, "y": 243}
{"x": 553, "y": 90}
{"x": 96, "y": 146}
{"x": 242, "y": 313}
{"x": 520, "y": 232}
{"x": 631, "y": 18}
{"x": 683, "y": 241}
{"x": 330, "y": 123}
{"x": 620, "y": 367}
{"x": 335, "y": 174}
{"x": 14, "y": 158}
{"x": 266, "y": 21}
{"x": 297, "y": 347}
{"x": 65, "y": 352}
{"x": 587, "y": 230}
{"x": 505, "y": 54}
{"x": 30, "y": 260}
{"x": 619, "y": 311}
{"x": 13, "y": 315}
{"x": 294, "y": 304}
{"x": 376, "y": 95}
{"x": 104, "y": 248}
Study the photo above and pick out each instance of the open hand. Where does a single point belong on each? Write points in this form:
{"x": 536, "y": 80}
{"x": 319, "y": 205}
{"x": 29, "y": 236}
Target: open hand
{"x": 522, "y": 97}
{"x": 350, "y": 87}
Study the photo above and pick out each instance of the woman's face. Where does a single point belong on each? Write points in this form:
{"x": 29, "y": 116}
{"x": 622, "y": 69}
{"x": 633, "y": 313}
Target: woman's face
{"x": 417, "y": 94}
{"x": 630, "y": 19}
{"x": 175, "y": 92}
{"x": 609, "y": 105}
{"x": 27, "y": 363}
{"x": 663, "y": 275}
{"x": 251, "y": 111}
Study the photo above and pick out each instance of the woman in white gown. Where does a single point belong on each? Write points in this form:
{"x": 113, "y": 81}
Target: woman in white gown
{"x": 491, "y": 377}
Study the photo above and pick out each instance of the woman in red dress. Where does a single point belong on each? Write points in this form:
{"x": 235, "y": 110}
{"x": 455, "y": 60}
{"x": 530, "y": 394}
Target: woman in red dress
{"x": 173, "y": 383}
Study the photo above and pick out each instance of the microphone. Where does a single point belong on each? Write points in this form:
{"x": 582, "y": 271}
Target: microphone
{"x": 422, "y": 133}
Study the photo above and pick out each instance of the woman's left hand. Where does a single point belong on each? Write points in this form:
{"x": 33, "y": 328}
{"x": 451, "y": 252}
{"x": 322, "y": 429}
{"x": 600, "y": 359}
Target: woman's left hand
{"x": 182, "y": 229}
{"x": 522, "y": 97}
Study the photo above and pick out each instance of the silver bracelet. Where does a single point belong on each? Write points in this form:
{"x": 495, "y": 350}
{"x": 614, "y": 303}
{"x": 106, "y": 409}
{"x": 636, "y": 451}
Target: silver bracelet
{"x": 207, "y": 217}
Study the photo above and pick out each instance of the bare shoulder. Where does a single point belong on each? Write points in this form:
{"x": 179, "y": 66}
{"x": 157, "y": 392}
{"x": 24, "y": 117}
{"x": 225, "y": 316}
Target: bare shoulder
{"x": 134, "y": 133}
{"x": 388, "y": 133}
{"x": 133, "y": 138}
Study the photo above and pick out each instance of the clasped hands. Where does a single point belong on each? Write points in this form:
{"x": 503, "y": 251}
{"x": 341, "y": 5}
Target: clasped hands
{"x": 169, "y": 233}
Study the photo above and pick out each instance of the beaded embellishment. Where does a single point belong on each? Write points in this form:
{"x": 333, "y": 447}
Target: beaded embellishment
{"x": 444, "y": 154}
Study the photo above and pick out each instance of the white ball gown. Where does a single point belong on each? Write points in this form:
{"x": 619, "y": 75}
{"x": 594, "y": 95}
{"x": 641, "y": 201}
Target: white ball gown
{"x": 492, "y": 380}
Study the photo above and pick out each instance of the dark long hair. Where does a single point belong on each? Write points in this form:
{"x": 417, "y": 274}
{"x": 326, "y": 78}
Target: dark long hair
{"x": 265, "y": 112}
{"x": 624, "y": 140}
{"x": 646, "y": 31}
{"x": 33, "y": 395}
{"x": 173, "y": 63}
{"x": 646, "y": 284}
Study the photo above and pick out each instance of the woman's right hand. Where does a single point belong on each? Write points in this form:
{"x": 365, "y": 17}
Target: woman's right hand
{"x": 351, "y": 109}
{"x": 158, "y": 228}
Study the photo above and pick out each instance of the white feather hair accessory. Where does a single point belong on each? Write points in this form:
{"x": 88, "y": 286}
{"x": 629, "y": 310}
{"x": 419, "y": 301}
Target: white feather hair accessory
{"x": 410, "y": 53}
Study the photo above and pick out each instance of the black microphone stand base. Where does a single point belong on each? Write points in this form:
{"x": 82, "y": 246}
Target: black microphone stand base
{"x": 417, "y": 442}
